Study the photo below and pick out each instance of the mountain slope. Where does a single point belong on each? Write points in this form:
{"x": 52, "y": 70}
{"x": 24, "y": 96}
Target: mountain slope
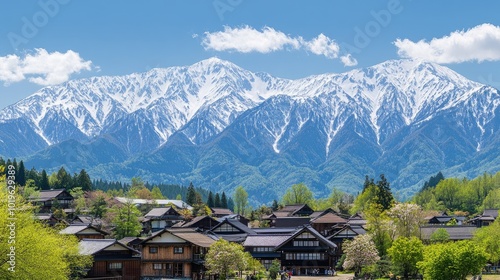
{"x": 221, "y": 126}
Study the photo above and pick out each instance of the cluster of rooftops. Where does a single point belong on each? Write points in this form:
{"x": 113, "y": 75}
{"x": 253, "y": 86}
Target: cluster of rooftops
{"x": 303, "y": 240}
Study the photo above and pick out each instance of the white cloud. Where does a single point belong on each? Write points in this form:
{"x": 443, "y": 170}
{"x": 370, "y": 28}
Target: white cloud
{"x": 323, "y": 45}
{"x": 42, "y": 67}
{"x": 348, "y": 60}
{"x": 247, "y": 39}
{"x": 480, "y": 43}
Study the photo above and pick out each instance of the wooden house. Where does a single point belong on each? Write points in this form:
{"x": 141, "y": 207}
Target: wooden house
{"x": 83, "y": 231}
{"x": 307, "y": 250}
{"x": 111, "y": 259}
{"x": 327, "y": 222}
{"x": 232, "y": 231}
{"x": 46, "y": 199}
{"x": 160, "y": 218}
{"x": 201, "y": 223}
{"x": 261, "y": 247}
{"x": 175, "y": 252}
{"x": 295, "y": 210}
{"x": 220, "y": 212}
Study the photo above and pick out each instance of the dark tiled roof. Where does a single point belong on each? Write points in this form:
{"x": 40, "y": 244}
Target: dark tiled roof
{"x": 77, "y": 228}
{"x": 316, "y": 234}
{"x": 196, "y": 220}
{"x": 265, "y": 240}
{"x": 45, "y": 195}
{"x": 187, "y": 234}
{"x": 344, "y": 231}
{"x": 491, "y": 212}
{"x": 236, "y": 224}
{"x": 455, "y": 232}
{"x": 275, "y": 230}
{"x": 292, "y": 221}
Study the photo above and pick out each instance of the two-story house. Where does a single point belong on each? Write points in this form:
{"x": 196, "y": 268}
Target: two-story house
{"x": 175, "y": 252}
{"x": 160, "y": 218}
{"x": 47, "y": 199}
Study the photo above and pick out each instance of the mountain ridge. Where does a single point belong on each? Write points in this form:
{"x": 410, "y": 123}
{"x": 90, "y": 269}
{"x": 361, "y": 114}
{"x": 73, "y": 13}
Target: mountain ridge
{"x": 325, "y": 128}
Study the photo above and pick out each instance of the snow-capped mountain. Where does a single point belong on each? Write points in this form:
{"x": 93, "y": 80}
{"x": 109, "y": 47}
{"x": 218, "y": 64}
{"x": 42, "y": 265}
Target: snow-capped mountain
{"x": 219, "y": 125}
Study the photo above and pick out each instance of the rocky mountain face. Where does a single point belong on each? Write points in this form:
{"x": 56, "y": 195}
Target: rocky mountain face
{"x": 220, "y": 126}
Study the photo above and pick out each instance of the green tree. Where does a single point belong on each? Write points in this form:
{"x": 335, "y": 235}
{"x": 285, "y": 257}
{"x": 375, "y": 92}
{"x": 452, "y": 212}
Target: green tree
{"x": 191, "y": 195}
{"x": 39, "y": 252}
{"x": 365, "y": 199}
{"x": 380, "y": 228}
{"x": 217, "y": 202}
{"x": 452, "y": 260}
{"x": 241, "y": 200}
{"x": 156, "y": 193}
{"x": 126, "y": 220}
{"x": 489, "y": 238}
{"x": 98, "y": 206}
{"x": 274, "y": 269}
{"x": 384, "y": 196}
{"x": 360, "y": 252}
{"x": 223, "y": 200}
{"x": 224, "y": 257}
{"x": 405, "y": 253}
{"x": 44, "y": 181}
{"x": 21, "y": 174}
{"x": 63, "y": 180}
{"x": 83, "y": 181}
{"x": 210, "y": 199}
{"x": 441, "y": 235}
{"x": 298, "y": 194}
{"x": 492, "y": 200}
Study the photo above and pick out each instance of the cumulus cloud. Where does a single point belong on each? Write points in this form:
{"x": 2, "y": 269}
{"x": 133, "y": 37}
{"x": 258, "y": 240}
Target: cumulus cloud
{"x": 42, "y": 67}
{"x": 480, "y": 43}
{"x": 247, "y": 39}
{"x": 348, "y": 60}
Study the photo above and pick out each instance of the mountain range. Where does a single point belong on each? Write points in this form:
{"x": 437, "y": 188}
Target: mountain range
{"x": 220, "y": 126}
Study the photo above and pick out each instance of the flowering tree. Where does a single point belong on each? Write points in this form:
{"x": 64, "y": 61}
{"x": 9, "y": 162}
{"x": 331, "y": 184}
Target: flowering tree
{"x": 360, "y": 252}
{"x": 407, "y": 218}
{"x": 224, "y": 257}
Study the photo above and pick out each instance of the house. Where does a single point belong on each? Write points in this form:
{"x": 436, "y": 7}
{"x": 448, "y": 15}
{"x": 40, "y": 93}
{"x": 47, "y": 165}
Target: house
{"x": 326, "y": 222}
{"x": 201, "y": 223}
{"x": 132, "y": 242}
{"x": 87, "y": 219}
{"x": 261, "y": 247}
{"x": 83, "y": 231}
{"x": 179, "y": 204}
{"x": 307, "y": 250}
{"x": 237, "y": 217}
{"x": 342, "y": 233}
{"x": 295, "y": 210}
{"x": 175, "y": 252}
{"x": 46, "y": 199}
{"x": 220, "y": 212}
{"x": 357, "y": 219}
{"x": 232, "y": 231}
{"x": 160, "y": 218}
{"x": 111, "y": 259}
{"x": 444, "y": 219}
{"x": 455, "y": 232}
{"x": 49, "y": 219}
{"x": 485, "y": 219}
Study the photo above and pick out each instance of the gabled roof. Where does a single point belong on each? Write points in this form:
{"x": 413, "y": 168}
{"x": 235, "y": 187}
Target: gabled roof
{"x": 221, "y": 211}
{"x": 491, "y": 212}
{"x": 77, "y": 228}
{"x": 130, "y": 240}
{"x": 187, "y": 234}
{"x": 316, "y": 234}
{"x": 158, "y": 212}
{"x": 348, "y": 231}
{"x": 455, "y": 232}
{"x": 294, "y": 208}
{"x": 237, "y": 224}
{"x": 46, "y": 195}
{"x": 194, "y": 221}
{"x": 329, "y": 218}
{"x": 94, "y": 246}
{"x": 271, "y": 240}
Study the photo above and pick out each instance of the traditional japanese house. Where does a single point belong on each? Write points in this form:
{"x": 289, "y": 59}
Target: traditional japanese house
{"x": 83, "y": 231}
{"x": 47, "y": 199}
{"x": 160, "y": 218}
{"x": 175, "y": 252}
{"x": 307, "y": 250}
{"x": 327, "y": 222}
{"x": 111, "y": 259}
{"x": 232, "y": 231}
{"x": 201, "y": 223}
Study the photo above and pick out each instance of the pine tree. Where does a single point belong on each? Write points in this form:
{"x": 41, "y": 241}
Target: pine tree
{"x": 217, "y": 200}
{"x": 83, "y": 181}
{"x": 44, "y": 181}
{"x": 275, "y": 205}
{"x": 230, "y": 204}
{"x": 368, "y": 182}
{"x": 191, "y": 195}
{"x": 21, "y": 174}
{"x": 384, "y": 196}
{"x": 223, "y": 201}
{"x": 210, "y": 200}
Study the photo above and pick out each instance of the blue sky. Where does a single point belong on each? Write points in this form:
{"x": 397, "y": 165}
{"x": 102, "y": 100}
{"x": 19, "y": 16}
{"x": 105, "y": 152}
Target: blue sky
{"x": 47, "y": 42}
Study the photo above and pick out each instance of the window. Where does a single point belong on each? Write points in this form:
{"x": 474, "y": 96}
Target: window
{"x": 306, "y": 235}
{"x": 266, "y": 263}
{"x": 178, "y": 270}
{"x": 115, "y": 266}
{"x": 178, "y": 250}
{"x": 263, "y": 249}
{"x": 157, "y": 266}
{"x": 226, "y": 228}
{"x": 305, "y": 243}
{"x": 305, "y": 256}
{"x": 153, "y": 250}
